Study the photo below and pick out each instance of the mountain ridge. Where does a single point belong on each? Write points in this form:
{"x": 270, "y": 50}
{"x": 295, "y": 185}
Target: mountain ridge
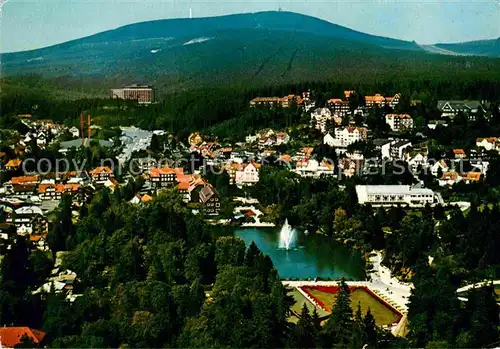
{"x": 255, "y": 48}
{"x": 178, "y": 28}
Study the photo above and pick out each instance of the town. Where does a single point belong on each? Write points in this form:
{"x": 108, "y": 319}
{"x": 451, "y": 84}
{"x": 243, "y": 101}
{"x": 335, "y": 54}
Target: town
{"x": 376, "y": 149}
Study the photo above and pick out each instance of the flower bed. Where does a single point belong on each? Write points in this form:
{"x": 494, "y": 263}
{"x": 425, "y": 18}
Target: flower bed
{"x": 385, "y": 312}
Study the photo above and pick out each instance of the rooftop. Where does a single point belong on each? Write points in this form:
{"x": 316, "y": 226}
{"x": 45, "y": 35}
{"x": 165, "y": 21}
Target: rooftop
{"x": 392, "y": 189}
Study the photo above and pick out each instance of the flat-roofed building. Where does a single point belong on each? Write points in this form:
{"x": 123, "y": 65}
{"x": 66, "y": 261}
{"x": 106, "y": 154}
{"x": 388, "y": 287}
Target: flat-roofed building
{"x": 141, "y": 94}
{"x": 392, "y": 195}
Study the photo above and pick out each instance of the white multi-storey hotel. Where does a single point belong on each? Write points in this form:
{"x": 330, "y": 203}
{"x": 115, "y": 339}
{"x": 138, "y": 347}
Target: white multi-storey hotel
{"x": 392, "y": 195}
{"x": 346, "y": 136}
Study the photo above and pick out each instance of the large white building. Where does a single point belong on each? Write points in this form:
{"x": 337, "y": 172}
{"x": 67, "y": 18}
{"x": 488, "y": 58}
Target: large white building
{"x": 320, "y": 117}
{"x": 346, "y": 136}
{"x": 392, "y": 195}
{"x": 247, "y": 174}
{"x": 141, "y": 94}
{"x": 399, "y": 122}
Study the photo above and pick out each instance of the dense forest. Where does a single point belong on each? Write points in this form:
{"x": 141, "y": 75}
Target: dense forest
{"x": 154, "y": 276}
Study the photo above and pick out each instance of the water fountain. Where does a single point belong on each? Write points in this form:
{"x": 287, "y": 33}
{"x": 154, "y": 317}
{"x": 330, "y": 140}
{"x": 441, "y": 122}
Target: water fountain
{"x": 288, "y": 237}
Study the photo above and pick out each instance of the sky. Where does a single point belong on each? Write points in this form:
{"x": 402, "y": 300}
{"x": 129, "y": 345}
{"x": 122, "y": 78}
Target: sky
{"x": 30, "y": 24}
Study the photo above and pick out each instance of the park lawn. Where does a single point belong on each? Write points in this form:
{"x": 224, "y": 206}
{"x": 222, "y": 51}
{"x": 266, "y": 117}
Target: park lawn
{"x": 299, "y": 303}
{"x": 382, "y": 314}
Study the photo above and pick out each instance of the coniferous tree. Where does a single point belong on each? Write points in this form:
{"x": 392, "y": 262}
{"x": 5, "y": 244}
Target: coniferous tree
{"x": 370, "y": 329}
{"x": 358, "y": 330}
{"x": 484, "y": 318}
{"x": 305, "y": 331}
{"x": 338, "y": 329}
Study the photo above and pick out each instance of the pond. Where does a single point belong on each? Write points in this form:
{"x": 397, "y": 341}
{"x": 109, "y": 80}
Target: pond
{"x": 313, "y": 256}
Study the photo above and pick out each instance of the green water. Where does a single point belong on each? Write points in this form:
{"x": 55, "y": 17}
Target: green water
{"x": 315, "y": 255}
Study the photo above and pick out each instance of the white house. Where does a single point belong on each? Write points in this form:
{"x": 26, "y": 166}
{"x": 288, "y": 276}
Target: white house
{"x": 75, "y": 132}
{"x": 346, "y": 136}
{"x": 399, "y": 122}
{"x": 319, "y": 118}
{"x": 328, "y": 139}
{"x": 392, "y": 195}
{"x": 384, "y": 147}
{"x": 439, "y": 165}
{"x": 313, "y": 168}
{"x": 433, "y": 124}
{"x": 416, "y": 160}
{"x": 398, "y": 149}
{"x": 247, "y": 174}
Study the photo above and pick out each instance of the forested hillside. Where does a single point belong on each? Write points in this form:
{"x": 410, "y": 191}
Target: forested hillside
{"x": 237, "y": 51}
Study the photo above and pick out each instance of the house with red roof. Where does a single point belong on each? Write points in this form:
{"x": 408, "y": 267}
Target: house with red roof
{"x": 10, "y": 337}
{"x": 13, "y": 165}
{"x": 56, "y": 191}
{"x": 247, "y": 174}
{"x": 101, "y": 174}
{"x": 164, "y": 177}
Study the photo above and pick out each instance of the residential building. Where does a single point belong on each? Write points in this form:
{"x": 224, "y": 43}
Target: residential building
{"x": 320, "y": 118}
{"x": 449, "y": 178}
{"x": 313, "y": 168}
{"x": 141, "y": 94}
{"x": 75, "y": 132}
{"x": 459, "y": 154}
{"x": 12, "y": 337}
{"x": 439, "y": 166}
{"x": 384, "y": 147}
{"x": 399, "y": 122}
{"x": 328, "y": 139}
{"x": 416, "y": 160}
{"x": 164, "y": 177}
{"x": 377, "y": 99}
{"x": 187, "y": 185}
{"x": 398, "y": 148}
{"x": 472, "y": 177}
{"x": 392, "y": 195}
{"x": 209, "y": 198}
{"x": 491, "y": 143}
{"x": 433, "y": 124}
{"x": 247, "y": 174}
{"x": 347, "y": 94}
{"x": 270, "y": 138}
{"x": 349, "y": 167}
{"x": 101, "y": 174}
{"x": 146, "y": 164}
{"x": 346, "y": 136}
{"x": 13, "y": 165}
{"x": 25, "y": 180}
{"x": 56, "y": 191}
{"x": 451, "y": 108}
{"x": 24, "y": 191}
{"x": 394, "y": 101}
{"x": 195, "y": 139}
{"x": 339, "y": 107}
{"x": 283, "y": 102}
{"x": 29, "y": 223}
{"x": 111, "y": 183}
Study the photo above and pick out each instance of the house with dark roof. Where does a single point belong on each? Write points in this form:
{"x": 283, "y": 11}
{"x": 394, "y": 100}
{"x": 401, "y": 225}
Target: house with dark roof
{"x": 209, "y": 198}
{"x": 450, "y": 109}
